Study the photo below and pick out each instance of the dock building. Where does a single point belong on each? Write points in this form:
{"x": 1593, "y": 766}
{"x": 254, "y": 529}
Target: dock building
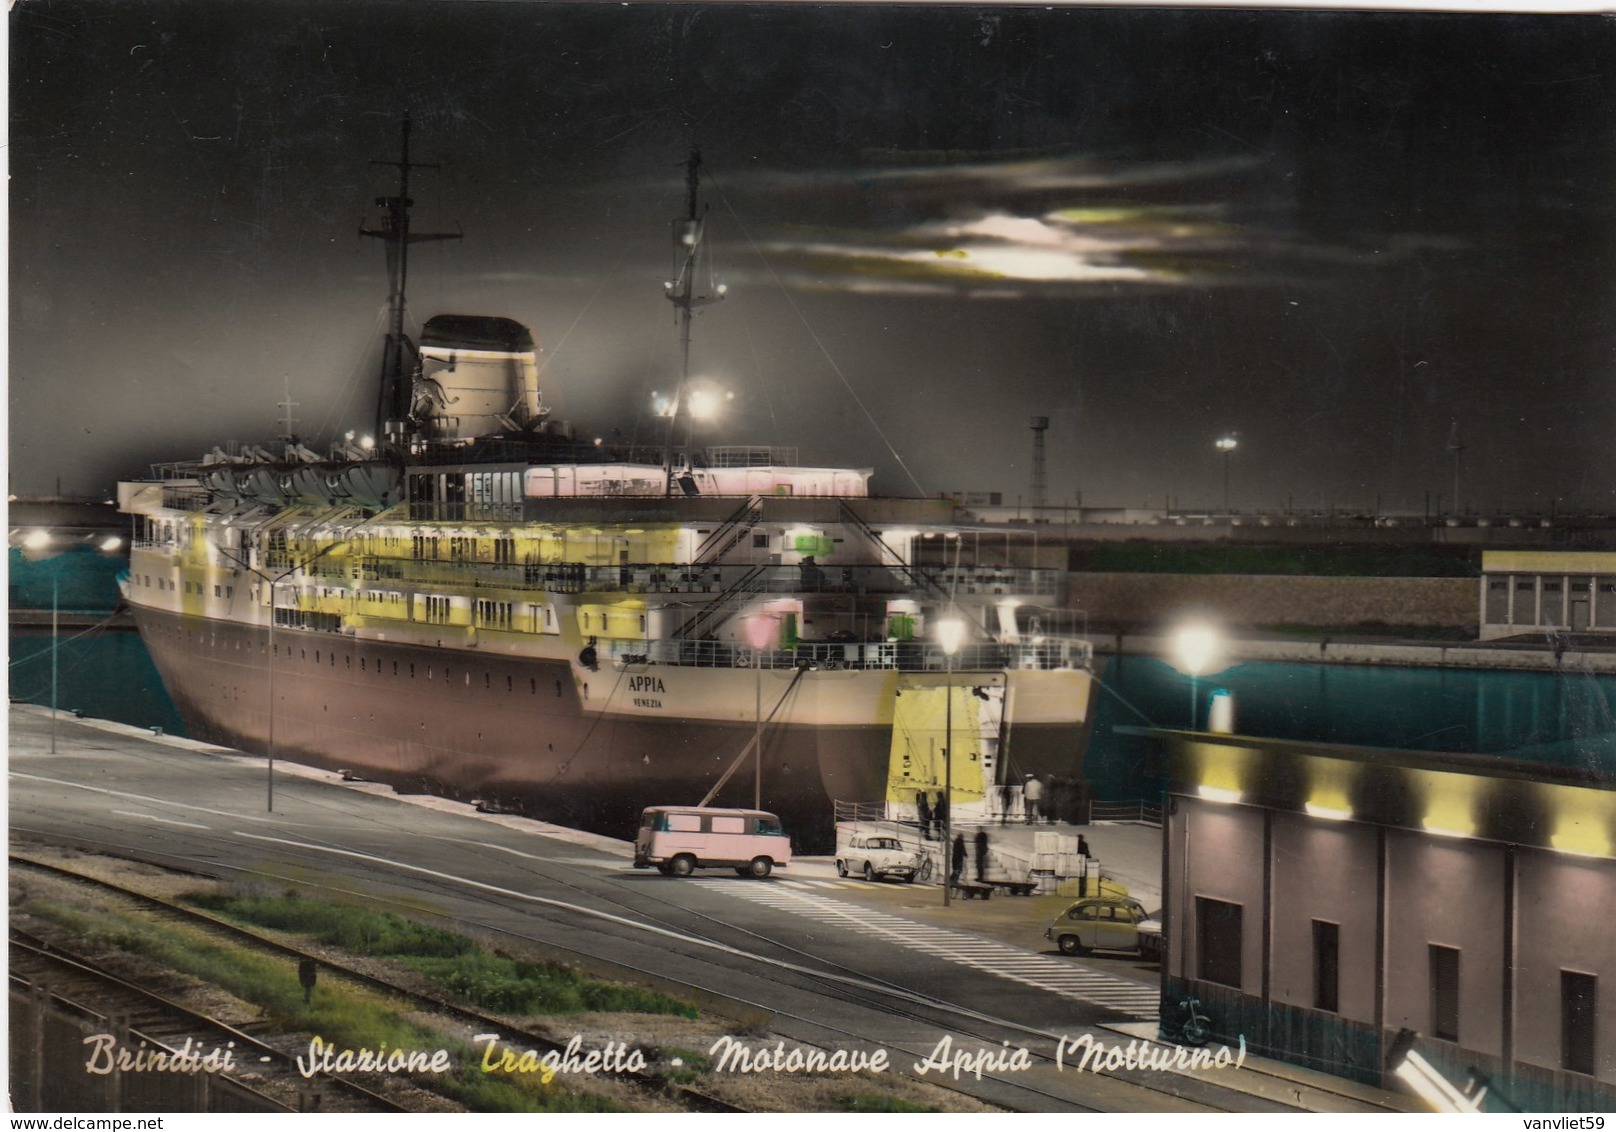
{"x": 1320, "y": 901}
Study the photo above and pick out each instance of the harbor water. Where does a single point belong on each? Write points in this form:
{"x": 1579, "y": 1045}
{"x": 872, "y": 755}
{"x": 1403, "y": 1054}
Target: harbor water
{"x": 1561, "y": 717}
{"x": 1554, "y": 717}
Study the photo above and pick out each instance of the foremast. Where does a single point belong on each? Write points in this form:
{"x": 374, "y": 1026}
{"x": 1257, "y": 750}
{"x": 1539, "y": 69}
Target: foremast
{"x": 393, "y": 417}
{"x": 681, "y": 292}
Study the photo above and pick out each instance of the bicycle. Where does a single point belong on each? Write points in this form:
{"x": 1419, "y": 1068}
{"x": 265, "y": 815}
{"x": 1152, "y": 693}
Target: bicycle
{"x": 1194, "y": 1028}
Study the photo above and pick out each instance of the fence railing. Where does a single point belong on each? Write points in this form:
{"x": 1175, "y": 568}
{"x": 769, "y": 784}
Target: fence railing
{"x": 860, "y": 811}
{"x": 1140, "y": 810}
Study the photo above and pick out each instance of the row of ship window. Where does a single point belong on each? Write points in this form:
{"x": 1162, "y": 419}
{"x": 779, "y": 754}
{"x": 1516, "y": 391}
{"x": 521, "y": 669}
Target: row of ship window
{"x": 403, "y": 669}
{"x": 437, "y": 609}
{"x": 197, "y": 588}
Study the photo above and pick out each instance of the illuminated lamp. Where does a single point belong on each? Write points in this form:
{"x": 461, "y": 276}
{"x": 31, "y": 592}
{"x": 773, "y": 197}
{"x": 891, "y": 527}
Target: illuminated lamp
{"x": 1197, "y": 650}
{"x": 1449, "y": 816}
{"x": 1426, "y": 1082}
{"x": 1581, "y": 822}
{"x": 1328, "y": 813}
{"x": 1327, "y": 795}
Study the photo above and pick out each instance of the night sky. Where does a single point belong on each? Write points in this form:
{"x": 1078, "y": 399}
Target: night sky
{"x": 1333, "y": 233}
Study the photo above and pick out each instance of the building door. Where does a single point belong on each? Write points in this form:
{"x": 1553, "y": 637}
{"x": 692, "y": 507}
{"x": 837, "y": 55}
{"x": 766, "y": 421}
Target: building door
{"x": 1579, "y": 613}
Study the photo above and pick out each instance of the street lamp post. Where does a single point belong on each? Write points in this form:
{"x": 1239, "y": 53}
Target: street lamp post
{"x": 56, "y": 648}
{"x": 1196, "y": 647}
{"x": 269, "y": 786}
{"x": 760, "y": 630}
{"x": 1226, "y": 444}
{"x": 273, "y": 580}
{"x": 950, "y": 633}
{"x": 37, "y": 545}
{"x": 757, "y": 736}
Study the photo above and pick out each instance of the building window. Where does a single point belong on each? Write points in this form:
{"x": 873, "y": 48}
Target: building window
{"x": 1579, "y": 1002}
{"x": 1444, "y": 992}
{"x": 1326, "y": 966}
{"x": 1217, "y": 940}
{"x": 760, "y": 540}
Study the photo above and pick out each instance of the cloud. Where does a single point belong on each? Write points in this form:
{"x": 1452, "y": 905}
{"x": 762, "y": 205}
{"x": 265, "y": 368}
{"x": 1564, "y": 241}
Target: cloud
{"x": 1019, "y": 227}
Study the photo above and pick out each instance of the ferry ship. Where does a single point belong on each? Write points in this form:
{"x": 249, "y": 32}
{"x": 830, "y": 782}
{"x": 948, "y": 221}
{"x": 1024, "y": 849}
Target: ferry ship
{"x": 488, "y": 605}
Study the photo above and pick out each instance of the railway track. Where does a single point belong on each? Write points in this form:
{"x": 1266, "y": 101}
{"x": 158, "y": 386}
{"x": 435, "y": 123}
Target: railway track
{"x": 511, "y": 1035}
{"x": 1017, "y": 1093}
{"x": 152, "y": 1031}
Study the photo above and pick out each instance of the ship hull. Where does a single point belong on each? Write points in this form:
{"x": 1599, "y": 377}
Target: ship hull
{"x": 515, "y": 732}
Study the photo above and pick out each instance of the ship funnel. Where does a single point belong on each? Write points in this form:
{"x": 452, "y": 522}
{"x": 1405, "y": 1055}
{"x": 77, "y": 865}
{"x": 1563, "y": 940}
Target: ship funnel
{"x": 479, "y": 376}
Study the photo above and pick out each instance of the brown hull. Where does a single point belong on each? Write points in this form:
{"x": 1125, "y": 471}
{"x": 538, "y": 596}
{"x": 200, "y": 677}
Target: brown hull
{"x": 510, "y": 731}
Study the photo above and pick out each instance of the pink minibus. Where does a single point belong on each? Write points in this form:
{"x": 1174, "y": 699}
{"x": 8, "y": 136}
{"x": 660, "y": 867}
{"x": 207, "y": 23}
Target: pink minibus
{"x": 680, "y": 839}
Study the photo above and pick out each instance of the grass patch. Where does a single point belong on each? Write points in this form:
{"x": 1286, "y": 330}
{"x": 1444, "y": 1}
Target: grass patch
{"x": 691, "y": 1068}
{"x": 497, "y": 982}
{"x": 451, "y": 961}
{"x": 343, "y": 1017}
{"x": 874, "y": 1102}
{"x": 360, "y": 930}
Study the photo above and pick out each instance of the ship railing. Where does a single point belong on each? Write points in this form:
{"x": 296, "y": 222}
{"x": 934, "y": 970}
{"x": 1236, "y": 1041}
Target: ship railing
{"x": 654, "y": 578}
{"x": 186, "y": 498}
{"x": 750, "y": 456}
{"x": 906, "y": 656}
{"x": 178, "y": 470}
{"x": 999, "y": 580}
{"x": 704, "y": 654}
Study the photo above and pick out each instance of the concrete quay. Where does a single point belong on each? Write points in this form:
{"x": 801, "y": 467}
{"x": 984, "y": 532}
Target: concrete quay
{"x": 1596, "y": 655}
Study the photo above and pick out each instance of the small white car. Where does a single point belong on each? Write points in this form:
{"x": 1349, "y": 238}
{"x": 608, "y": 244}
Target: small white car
{"x": 1106, "y": 924}
{"x": 876, "y": 857}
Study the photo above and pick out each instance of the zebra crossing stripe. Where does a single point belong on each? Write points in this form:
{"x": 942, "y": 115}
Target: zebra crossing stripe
{"x": 1001, "y": 959}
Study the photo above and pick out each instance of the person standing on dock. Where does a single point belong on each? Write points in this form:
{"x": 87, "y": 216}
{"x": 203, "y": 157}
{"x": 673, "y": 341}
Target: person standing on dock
{"x": 923, "y": 810}
{"x": 981, "y": 855}
{"x": 957, "y": 866}
{"x": 1031, "y": 794}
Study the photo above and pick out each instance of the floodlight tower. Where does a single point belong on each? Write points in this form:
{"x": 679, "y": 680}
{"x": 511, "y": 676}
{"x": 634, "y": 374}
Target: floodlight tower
{"x": 1454, "y": 449}
{"x": 1039, "y": 481}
